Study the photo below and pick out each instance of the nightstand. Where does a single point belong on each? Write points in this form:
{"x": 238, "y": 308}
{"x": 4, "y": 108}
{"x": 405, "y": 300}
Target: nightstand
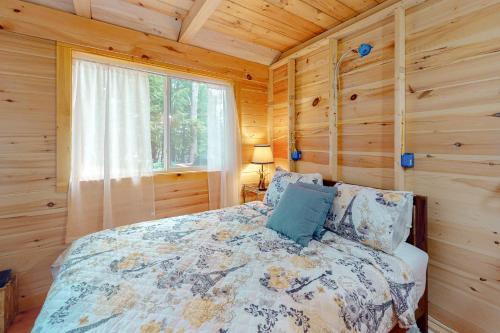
{"x": 252, "y": 193}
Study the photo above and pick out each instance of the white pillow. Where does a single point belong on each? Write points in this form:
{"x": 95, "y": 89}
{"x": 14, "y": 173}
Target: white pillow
{"x": 280, "y": 181}
{"x": 378, "y": 218}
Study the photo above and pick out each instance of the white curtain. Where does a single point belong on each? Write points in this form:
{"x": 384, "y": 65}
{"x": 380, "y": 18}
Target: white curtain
{"x": 111, "y": 182}
{"x": 224, "y": 148}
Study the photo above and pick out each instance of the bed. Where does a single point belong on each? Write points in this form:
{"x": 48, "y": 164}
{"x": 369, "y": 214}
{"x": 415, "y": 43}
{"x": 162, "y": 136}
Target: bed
{"x": 223, "y": 271}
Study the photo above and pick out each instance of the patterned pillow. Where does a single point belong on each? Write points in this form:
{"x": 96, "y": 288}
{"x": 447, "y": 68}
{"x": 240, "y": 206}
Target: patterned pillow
{"x": 281, "y": 180}
{"x": 377, "y": 218}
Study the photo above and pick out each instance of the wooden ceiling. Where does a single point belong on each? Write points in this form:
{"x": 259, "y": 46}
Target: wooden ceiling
{"x": 256, "y": 30}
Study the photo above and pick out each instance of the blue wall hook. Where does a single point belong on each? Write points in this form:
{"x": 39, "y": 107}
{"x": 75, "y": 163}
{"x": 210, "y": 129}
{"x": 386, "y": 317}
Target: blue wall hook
{"x": 364, "y": 50}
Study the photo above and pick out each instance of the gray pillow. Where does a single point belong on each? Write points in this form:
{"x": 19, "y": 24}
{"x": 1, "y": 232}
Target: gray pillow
{"x": 280, "y": 181}
{"x": 299, "y": 213}
{"x": 320, "y": 230}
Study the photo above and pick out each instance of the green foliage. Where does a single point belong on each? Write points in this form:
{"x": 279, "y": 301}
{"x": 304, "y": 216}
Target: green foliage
{"x": 156, "y": 93}
{"x": 188, "y": 122}
{"x": 188, "y": 126}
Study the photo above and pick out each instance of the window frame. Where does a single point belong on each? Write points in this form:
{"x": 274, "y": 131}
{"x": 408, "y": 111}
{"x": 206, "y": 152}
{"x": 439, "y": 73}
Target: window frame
{"x": 65, "y": 53}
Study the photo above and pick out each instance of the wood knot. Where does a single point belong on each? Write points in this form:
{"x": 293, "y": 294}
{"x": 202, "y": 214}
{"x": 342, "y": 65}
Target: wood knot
{"x": 9, "y": 100}
{"x": 17, "y": 10}
{"x": 316, "y": 101}
{"x": 1, "y": 27}
{"x": 424, "y": 94}
{"x": 353, "y": 97}
{"x": 497, "y": 242}
{"x": 458, "y": 144}
{"x": 473, "y": 289}
{"x": 482, "y": 279}
{"x": 110, "y": 48}
{"x": 51, "y": 204}
{"x": 249, "y": 77}
{"x": 411, "y": 89}
{"x": 144, "y": 56}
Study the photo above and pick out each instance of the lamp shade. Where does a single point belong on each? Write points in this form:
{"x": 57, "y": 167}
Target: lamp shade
{"x": 262, "y": 154}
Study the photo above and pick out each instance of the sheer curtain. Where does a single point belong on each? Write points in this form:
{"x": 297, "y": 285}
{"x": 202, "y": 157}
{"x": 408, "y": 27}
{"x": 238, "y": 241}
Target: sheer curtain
{"x": 224, "y": 148}
{"x": 111, "y": 182}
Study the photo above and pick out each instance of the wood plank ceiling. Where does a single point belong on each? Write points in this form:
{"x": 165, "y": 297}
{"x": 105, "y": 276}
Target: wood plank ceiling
{"x": 255, "y": 30}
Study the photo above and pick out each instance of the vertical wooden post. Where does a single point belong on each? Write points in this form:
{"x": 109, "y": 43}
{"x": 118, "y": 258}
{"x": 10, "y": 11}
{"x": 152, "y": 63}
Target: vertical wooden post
{"x": 333, "y": 93}
{"x": 270, "y": 121}
{"x": 270, "y": 108}
{"x": 291, "y": 111}
{"x": 64, "y": 69}
{"x": 399, "y": 96}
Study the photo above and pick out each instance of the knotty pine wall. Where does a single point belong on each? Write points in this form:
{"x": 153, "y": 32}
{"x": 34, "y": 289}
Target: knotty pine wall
{"x": 453, "y": 127}
{"x": 32, "y": 214}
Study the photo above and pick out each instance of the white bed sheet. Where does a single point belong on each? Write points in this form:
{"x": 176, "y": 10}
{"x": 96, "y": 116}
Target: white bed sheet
{"x": 418, "y": 261}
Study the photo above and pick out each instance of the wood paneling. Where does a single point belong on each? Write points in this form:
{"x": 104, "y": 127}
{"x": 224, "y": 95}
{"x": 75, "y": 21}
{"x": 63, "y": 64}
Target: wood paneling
{"x": 32, "y": 213}
{"x": 452, "y": 125}
{"x": 25, "y": 18}
{"x": 279, "y": 124}
{"x": 365, "y": 129}
{"x": 253, "y": 126}
{"x": 243, "y": 28}
{"x": 452, "y": 103}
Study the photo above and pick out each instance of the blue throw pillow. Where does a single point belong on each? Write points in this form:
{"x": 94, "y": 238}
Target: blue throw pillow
{"x": 300, "y": 212}
{"x": 332, "y": 190}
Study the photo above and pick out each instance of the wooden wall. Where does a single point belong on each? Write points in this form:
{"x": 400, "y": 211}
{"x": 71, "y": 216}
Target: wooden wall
{"x": 311, "y": 108}
{"x": 32, "y": 213}
{"x": 366, "y": 109}
{"x": 253, "y": 126}
{"x": 279, "y": 115}
{"x": 453, "y": 127}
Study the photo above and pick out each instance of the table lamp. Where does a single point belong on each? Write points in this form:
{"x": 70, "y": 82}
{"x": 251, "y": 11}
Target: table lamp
{"x": 262, "y": 154}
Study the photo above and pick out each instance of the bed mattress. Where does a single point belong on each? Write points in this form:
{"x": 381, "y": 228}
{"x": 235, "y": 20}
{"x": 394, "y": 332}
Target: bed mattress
{"x": 223, "y": 271}
{"x": 417, "y": 260}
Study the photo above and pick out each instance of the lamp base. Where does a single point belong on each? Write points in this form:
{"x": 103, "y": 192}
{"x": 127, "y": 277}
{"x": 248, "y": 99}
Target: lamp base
{"x": 262, "y": 184}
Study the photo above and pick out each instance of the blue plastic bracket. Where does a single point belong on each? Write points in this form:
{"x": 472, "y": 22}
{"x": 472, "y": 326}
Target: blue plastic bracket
{"x": 408, "y": 160}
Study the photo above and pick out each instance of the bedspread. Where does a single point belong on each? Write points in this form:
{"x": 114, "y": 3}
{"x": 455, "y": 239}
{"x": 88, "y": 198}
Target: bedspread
{"x": 223, "y": 271}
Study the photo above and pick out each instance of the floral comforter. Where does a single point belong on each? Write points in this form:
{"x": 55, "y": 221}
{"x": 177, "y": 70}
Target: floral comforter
{"x": 223, "y": 271}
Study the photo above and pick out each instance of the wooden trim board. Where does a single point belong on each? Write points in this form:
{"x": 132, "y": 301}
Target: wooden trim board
{"x": 399, "y": 95}
{"x": 64, "y": 71}
{"x": 292, "y": 139}
{"x": 333, "y": 107}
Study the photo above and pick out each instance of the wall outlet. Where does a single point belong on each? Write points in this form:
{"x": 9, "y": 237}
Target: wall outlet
{"x": 408, "y": 160}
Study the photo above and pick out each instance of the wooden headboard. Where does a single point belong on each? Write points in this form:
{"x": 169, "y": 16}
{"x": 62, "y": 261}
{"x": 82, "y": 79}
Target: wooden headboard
{"x": 418, "y": 233}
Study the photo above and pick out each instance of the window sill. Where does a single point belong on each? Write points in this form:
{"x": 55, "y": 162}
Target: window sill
{"x": 170, "y": 177}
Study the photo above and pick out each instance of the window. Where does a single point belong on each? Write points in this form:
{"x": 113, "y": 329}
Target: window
{"x": 179, "y": 109}
{"x": 173, "y": 133}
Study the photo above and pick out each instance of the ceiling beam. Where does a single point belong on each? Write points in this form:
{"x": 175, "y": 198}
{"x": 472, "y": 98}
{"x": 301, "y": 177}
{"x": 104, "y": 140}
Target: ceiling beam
{"x": 38, "y": 21}
{"x": 196, "y": 18}
{"x": 83, "y": 8}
